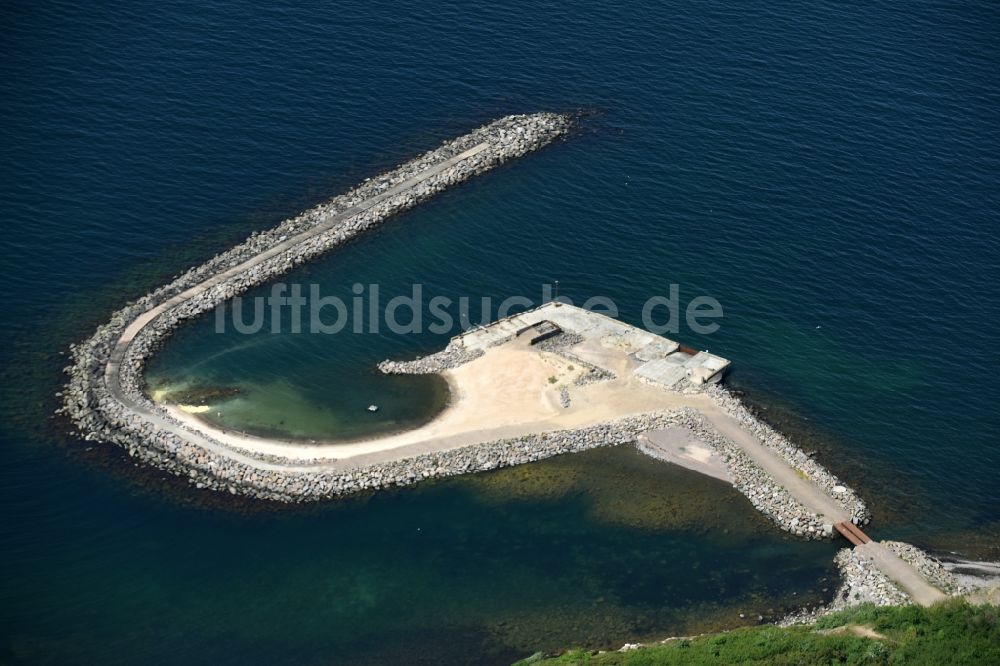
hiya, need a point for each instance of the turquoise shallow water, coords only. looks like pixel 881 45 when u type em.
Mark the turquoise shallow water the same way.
pixel 828 173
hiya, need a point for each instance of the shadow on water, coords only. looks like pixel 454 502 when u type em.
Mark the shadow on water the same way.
pixel 494 565
pixel 591 549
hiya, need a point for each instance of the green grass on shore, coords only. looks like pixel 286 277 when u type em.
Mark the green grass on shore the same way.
pixel 950 633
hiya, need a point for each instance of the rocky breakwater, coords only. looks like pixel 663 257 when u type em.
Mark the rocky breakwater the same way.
pixel 456 354
pixel 497 454
pixel 450 357
pixel 861 583
pixel 929 567
pixel 791 454
pixel 561 343
pixel 104 396
pixel 766 495
pixel 206 469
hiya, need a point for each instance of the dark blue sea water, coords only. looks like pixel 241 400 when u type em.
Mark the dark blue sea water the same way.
pixel 830 172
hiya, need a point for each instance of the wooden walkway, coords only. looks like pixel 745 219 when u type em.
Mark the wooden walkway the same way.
pixel 852 533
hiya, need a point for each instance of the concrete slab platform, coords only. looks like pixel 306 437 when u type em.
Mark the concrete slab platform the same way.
pixel 657 349
pixel 662 372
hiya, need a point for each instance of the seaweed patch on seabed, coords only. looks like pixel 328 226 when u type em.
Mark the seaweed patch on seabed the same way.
pixel 621 487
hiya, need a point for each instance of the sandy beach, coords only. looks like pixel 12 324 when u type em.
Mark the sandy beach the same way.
pixel 507 392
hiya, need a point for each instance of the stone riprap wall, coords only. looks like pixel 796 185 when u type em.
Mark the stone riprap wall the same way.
pixel 450 357
pixel 748 477
pixel 929 567
pixel 560 344
pixel 774 440
pixel 456 354
pixel 860 582
pixel 206 469
pixel 121 413
pixel 756 484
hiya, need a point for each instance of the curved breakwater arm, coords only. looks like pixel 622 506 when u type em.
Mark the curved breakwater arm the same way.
pixel 104 397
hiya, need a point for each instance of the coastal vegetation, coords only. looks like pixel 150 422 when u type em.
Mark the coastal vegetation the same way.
pixel 954 632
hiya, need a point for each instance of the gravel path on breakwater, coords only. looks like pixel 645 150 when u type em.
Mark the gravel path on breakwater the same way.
pixel 104 396
pixel 862 582
pixel 766 495
pixel 791 454
pixel 760 487
pixel 298 484
pixel 123 414
pixel 929 567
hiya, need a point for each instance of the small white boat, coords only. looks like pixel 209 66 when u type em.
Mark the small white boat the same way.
pixel 372 408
